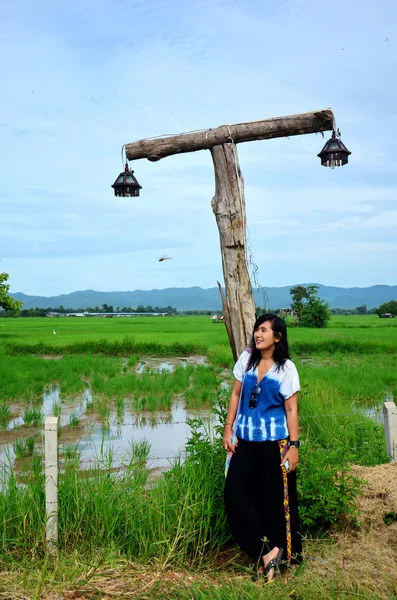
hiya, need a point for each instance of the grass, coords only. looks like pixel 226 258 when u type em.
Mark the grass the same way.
pixel 33 416
pixel 24 447
pixel 5 415
pixel 112 525
pixel 173 336
pixel 105 574
pixel 177 521
pixel 74 420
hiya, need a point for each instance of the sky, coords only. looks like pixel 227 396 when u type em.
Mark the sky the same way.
pixel 81 78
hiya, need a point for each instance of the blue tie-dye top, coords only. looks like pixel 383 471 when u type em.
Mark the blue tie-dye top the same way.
pixel 268 420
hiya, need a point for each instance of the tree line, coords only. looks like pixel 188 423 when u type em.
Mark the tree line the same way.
pixel 307 309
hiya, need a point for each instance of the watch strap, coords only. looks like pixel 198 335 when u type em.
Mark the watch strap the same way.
pixel 295 443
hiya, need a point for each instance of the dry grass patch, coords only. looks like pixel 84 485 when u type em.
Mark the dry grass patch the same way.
pixel 368 556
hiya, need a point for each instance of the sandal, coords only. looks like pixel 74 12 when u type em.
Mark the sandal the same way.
pixel 274 563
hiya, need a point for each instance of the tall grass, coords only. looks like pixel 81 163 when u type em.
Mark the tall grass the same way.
pixel 178 519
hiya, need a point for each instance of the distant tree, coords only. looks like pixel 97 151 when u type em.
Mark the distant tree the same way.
pixel 387 307
pixel 34 312
pixel 299 294
pixel 6 302
pixel 362 310
pixel 310 309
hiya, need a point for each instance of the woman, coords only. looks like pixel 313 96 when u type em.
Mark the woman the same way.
pixel 261 435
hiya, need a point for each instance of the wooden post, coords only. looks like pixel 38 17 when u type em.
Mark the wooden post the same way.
pixel 390 418
pixel 51 483
pixel 228 205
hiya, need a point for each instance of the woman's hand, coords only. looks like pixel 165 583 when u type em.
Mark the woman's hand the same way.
pixel 227 440
pixel 293 458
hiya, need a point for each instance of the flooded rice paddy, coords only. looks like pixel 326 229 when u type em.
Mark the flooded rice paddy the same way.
pixel 95 433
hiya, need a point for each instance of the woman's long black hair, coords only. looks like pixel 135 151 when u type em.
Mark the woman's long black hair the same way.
pixel 281 352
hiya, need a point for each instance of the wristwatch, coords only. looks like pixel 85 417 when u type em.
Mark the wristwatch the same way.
pixel 295 443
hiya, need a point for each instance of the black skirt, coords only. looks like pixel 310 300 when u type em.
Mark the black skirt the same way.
pixel 261 500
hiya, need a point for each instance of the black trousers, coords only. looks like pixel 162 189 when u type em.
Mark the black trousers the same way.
pixel 254 501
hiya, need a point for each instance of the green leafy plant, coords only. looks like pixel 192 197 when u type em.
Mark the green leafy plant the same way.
pixel 309 308
pixel 6 301
pixel 327 489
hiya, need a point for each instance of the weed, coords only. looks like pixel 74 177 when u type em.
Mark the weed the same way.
pixel 24 447
pixel 56 409
pixel 5 415
pixel 33 416
pixel 74 420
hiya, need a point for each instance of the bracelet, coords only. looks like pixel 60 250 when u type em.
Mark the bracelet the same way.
pixel 228 423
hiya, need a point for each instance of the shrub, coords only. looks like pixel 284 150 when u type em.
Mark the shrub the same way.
pixel 327 490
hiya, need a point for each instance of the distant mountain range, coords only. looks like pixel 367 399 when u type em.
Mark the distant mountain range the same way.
pixel 196 298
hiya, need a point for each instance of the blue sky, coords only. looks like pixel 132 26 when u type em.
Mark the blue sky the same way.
pixel 82 78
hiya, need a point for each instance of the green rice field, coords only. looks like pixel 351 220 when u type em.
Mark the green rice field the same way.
pixel 100 376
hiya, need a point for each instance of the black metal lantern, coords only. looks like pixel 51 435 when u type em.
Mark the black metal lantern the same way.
pixel 334 154
pixel 126 184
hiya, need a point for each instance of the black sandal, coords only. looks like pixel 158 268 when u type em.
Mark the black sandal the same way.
pixel 274 563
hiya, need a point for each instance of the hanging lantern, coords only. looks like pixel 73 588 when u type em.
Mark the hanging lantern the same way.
pixel 126 184
pixel 334 154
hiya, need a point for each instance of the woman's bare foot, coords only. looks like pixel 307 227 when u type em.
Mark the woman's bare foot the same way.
pixel 267 558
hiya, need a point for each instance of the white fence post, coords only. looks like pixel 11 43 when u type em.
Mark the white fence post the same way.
pixel 390 418
pixel 51 483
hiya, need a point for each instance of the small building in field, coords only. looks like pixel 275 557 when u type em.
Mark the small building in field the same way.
pixel 386 316
pixel 217 319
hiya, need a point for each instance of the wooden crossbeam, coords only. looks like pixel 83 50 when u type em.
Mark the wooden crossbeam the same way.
pixel 155 149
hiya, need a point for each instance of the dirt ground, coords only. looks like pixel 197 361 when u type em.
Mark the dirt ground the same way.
pixel 368 555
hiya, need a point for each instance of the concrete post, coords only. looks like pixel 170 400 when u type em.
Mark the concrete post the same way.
pixel 51 483
pixel 390 418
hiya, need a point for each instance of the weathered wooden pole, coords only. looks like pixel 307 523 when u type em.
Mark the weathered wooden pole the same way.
pixel 228 203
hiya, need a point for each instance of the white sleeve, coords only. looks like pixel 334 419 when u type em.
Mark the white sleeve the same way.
pixel 241 365
pixel 290 383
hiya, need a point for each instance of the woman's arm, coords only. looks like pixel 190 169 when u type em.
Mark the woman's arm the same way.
pixel 291 411
pixel 231 415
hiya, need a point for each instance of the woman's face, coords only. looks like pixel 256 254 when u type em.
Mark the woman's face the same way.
pixel 264 337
